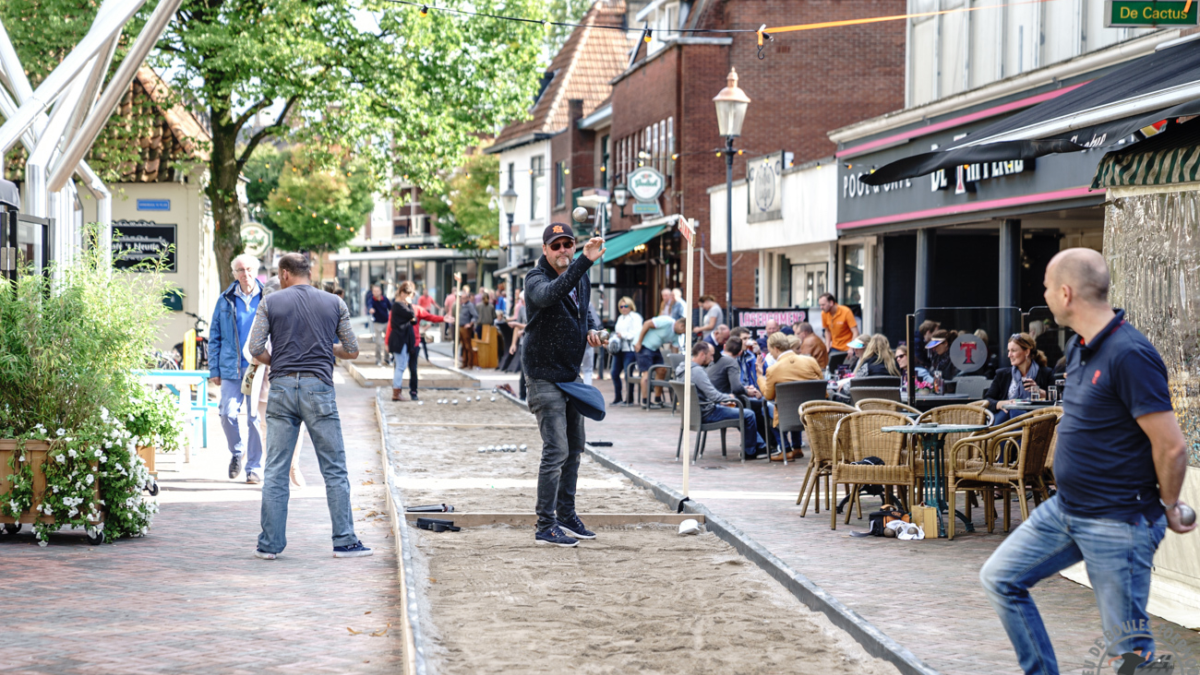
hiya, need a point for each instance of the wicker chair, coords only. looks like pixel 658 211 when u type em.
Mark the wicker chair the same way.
pixel 860 435
pixel 1029 439
pixel 868 404
pixel 983 403
pixel 833 404
pixel 821 422
pixel 947 414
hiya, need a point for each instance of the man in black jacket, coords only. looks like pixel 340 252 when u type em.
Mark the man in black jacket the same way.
pixel 557 293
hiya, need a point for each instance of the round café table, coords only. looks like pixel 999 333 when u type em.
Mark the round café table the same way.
pixel 933 452
pixel 1027 406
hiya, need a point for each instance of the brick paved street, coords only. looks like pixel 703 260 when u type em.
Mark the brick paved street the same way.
pixel 926 595
pixel 191 598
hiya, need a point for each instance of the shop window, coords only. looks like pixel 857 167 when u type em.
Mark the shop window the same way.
pixel 808 283
pixel 854 263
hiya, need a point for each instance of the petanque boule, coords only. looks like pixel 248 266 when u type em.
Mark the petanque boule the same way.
pixel 493 399
pixel 524 447
pixel 1187 515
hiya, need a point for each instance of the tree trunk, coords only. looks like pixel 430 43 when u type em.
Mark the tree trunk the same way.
pixel 222 190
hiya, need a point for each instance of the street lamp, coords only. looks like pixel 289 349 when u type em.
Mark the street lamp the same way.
pixel 731 112
pixel 620 196
pixel 508 202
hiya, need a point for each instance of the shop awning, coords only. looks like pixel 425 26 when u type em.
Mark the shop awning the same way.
pixel 1103 113
pixel 1168 158
pixel 624 243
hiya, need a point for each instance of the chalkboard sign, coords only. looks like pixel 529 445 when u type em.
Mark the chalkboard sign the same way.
pixel 136 241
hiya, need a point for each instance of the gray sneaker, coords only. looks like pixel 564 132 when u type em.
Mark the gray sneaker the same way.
pixel 263 555
pixel 253 478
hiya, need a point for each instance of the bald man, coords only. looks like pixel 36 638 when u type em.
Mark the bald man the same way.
pixel 1119 467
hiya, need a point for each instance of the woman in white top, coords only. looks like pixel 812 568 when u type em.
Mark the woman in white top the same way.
pixel 629 326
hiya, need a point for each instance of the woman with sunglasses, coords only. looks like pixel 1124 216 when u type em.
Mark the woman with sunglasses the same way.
pixel 629 326
pixel 1029 372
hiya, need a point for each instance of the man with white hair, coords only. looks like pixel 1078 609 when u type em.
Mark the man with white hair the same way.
pixel 228 332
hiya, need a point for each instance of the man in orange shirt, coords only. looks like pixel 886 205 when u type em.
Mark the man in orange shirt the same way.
pixel 839 323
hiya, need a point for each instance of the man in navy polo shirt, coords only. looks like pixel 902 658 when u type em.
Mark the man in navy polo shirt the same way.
pixel 1119 466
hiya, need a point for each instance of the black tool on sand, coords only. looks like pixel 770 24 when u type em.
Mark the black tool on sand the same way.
pixel 435 525
pixel 601 444
pixel 430 508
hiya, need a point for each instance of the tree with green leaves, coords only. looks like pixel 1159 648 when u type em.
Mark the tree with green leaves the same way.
pixel 262 173
pixel 320 208
pixel 464 206
pixel 406 93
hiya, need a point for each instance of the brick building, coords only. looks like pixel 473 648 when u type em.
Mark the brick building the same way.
pixel 808 83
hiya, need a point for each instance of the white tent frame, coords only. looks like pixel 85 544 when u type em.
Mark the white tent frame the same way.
pixel 60 120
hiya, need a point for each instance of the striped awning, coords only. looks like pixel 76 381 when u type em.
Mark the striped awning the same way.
pixel 1172 156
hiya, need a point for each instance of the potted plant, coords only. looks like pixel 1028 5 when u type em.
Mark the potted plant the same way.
pixel 70 343
pixel 155 421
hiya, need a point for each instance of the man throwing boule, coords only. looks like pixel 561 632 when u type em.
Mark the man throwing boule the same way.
pixel 557 293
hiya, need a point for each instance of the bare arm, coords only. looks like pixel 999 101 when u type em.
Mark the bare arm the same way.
pixel 259 330
pixel 1170 460
pixel 708 325
pixel 348 349
pixel 642 335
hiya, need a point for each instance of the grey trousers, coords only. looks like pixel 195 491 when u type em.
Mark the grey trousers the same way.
pixel 561 427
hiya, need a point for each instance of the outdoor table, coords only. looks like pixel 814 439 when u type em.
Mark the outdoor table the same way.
pixel 933 452
pixel 1026 406
pixel 925 402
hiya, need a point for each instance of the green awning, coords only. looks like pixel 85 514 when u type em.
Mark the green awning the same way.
pixel 1172 156
pixel 626 242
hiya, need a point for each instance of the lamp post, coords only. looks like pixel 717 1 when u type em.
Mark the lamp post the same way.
pixel 620 196
pixel 731 112
pixel 508 202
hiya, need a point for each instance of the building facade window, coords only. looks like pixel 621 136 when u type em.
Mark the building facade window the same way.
pixel 537 185
pixel 560 183
pixel 854 267
pixel 604 168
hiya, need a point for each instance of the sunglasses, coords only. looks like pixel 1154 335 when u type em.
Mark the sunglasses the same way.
pixel 568 245
pixel 622 306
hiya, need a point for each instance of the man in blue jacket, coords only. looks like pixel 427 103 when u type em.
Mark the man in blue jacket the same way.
pixel 557 294
pixel 228 332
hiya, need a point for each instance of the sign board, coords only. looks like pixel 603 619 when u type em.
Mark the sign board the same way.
pixel 687 228
pixel 646 184
pixel 645 209
pixel 758 318
pixel 1149 13
pixel 135 241
pixel 764 175
pixel 154 205
pixel 256 239
pixel 968 353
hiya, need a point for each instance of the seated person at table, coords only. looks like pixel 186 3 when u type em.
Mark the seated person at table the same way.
pixel 924 333
pixel 920 374
pixel 656 332
pixel 789 367
pixel 939 353
pixel 1029 372
pixel 877 359
pixel 811 345
pixel 726 375
pixel 715 406
pixel 854 352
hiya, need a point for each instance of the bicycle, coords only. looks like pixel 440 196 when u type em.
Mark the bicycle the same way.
pixel 201 343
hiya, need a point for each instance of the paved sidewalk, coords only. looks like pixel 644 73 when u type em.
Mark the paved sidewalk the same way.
pixel 926 595
pixel 191 598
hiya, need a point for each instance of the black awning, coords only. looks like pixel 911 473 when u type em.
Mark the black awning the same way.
pixel 1102 113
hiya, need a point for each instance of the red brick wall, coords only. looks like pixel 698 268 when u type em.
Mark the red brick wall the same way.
pixel 809 83
pixel 577 148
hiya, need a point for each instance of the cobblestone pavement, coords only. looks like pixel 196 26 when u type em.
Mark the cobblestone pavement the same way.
pixel 926 594
pixel 191 598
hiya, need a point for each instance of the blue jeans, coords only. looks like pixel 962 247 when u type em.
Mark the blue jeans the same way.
pixel 619 361
pixel 400 362
pixel 561 427
pixel 309 400
pixel 1118 557
pixel 231 400
pixel 751 444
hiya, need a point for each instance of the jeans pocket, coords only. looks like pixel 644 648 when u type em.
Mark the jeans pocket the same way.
pixel 324 402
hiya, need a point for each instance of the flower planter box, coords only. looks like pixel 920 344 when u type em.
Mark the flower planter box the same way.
pixel 146 452
pixel 35 455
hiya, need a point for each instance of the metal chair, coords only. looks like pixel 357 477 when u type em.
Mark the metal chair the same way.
pixel 703 428
pixel 1030 444
pixel 789 396
pixel 859 435
pixel 885 404
pixel 633 378
pixel 875 381
pixel 885 393
pixel 661 375
pixel 821 422
pixel 974 386
pixel 673 360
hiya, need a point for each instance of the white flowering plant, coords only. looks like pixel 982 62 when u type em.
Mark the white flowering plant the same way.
pixel 153 416
pixel 71 343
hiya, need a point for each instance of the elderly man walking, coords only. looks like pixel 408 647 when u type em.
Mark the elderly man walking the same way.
pixel 228 332
pixel 307 329
pixel 1119 466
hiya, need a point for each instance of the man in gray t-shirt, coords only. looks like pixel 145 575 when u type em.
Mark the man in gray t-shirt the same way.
pixel 713 316
pixel 307 328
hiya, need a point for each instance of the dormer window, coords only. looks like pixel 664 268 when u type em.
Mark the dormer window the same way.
pixel 662 18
